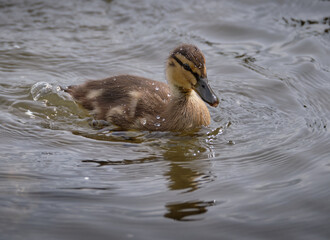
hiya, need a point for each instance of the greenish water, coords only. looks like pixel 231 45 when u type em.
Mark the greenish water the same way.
pixel 259 171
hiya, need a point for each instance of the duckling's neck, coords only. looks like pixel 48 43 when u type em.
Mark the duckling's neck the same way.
pixel 179 92
pixel 187 109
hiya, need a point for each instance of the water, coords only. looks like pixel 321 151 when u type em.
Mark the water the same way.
pixel 259 171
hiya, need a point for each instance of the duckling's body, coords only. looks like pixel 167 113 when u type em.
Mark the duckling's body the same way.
pixel 132 102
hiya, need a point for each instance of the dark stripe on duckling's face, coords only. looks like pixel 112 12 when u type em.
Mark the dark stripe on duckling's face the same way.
pixel 201 87
pixel 186 67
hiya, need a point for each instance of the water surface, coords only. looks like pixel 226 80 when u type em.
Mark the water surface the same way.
pixel 259 171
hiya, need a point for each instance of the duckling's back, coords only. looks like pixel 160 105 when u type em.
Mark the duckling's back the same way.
pixel 129 102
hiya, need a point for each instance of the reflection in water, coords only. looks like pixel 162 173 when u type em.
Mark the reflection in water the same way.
pixel 188 168
pixel 181 211
pixel 121 162
pixel 183 174
pixel 182 178
pixel 183 171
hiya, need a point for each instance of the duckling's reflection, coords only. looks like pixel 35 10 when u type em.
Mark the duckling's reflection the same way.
pixel 182 177
pixel 189 168
pixel 182 211
pixel 186 174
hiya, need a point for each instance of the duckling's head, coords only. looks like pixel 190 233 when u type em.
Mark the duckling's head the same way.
pixel 186 71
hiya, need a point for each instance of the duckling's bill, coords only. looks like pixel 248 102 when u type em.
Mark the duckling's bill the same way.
pixel 205 92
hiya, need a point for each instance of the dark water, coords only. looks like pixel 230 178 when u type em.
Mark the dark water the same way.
pixel 261 170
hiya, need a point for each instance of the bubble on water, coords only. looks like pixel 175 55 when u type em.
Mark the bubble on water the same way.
pixel 86 178
pixel 157 117
pixel 157 124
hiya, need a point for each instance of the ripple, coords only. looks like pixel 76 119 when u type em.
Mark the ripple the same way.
pixel 278 185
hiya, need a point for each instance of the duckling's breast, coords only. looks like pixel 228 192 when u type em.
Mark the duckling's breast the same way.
pixel 187 112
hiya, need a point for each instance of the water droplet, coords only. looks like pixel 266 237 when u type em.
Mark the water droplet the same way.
pixel 29 113
pixel 144 121
pixel 157 117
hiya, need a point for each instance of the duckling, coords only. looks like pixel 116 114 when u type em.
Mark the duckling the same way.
pixel 137 103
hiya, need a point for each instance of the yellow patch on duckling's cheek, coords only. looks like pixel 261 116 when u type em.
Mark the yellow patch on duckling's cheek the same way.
pixel 193 80
pixel 92 94
pixel 183 79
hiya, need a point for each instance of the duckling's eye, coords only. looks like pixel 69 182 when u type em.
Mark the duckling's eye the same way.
pixel 186 66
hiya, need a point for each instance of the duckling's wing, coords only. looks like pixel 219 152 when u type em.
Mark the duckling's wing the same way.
pixel 127 101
